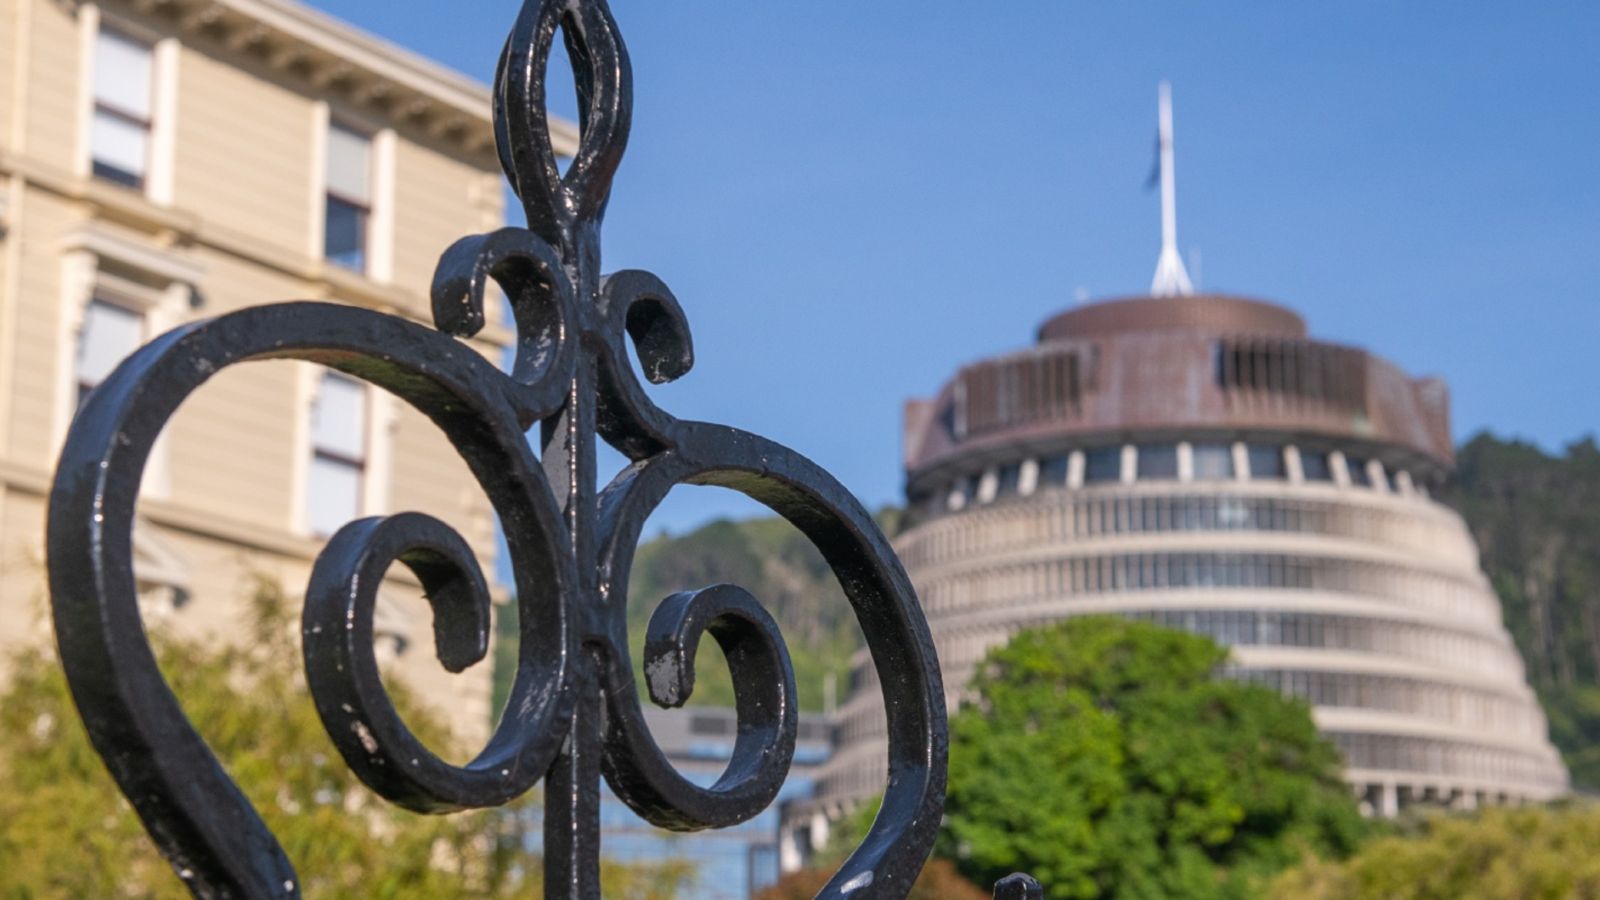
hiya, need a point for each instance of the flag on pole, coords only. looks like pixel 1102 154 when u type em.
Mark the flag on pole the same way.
pixel 1154 180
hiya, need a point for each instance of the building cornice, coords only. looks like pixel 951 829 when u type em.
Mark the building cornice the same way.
pixel 335 58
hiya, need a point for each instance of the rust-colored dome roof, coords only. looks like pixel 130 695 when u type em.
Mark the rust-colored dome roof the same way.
pixel 1215 313
pixel 1204 364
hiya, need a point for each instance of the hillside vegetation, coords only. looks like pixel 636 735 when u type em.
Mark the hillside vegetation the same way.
pixel 1536 519
pixel 775 563
pixel 767 557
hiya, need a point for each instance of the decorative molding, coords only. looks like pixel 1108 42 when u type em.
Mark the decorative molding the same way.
pixel 332 56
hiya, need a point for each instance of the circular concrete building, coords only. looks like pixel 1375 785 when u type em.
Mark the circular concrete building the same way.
pixel 1200 462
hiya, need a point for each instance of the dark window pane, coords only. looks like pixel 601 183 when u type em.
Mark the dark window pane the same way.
pixel 1314 465
pixel 1009 477
pixel 1266 462
pixel 1102 464
pixel 346 236
pixel 1158 462
pixel 1358 471
pixel 1213 462
pixel 1053 471
pixel 108 172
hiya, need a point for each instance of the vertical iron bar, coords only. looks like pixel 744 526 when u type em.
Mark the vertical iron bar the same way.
pixel 572 800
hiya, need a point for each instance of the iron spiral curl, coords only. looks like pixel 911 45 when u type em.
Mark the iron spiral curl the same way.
pixel 574 715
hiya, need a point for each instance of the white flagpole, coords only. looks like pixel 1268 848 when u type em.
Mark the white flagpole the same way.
pixel 1172 279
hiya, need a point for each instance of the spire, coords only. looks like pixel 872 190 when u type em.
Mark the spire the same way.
pixel 1172 279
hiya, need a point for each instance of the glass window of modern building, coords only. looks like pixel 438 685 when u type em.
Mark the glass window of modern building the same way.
pixel 1315 466
pixel 1053 471
pixel 1102 465
pixel 1359 472
pixel 1213 462
pixel 1266 462
pixel 1010 476
pixel 1158 462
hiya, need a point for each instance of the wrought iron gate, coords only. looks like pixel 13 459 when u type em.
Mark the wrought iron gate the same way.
pixel 574 714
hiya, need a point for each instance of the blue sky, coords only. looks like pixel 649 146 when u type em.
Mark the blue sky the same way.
pixel 853 199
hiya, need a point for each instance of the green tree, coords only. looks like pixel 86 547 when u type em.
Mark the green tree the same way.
pixel 1532 854
pixel 66 832
pixel 1106 758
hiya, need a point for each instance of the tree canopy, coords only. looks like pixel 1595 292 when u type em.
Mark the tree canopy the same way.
pixel 66 832
pixel 1108 759
pixel 1527 853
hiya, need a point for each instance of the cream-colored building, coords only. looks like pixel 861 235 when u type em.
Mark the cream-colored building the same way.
pixel 168 160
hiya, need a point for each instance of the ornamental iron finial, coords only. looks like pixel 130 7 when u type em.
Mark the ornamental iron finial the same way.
pixel 574 715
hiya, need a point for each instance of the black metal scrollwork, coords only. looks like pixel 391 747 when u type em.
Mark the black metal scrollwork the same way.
pixel 574 713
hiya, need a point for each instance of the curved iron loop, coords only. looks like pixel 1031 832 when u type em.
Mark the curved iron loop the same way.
pixel 764 693
pixel 557 206
pixel 342 668
pixel 1018 887
pixel 639 305
pixel 891 855
pixel 208 830
pixel 529 270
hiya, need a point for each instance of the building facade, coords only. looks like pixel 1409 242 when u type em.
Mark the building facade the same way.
pixel 1202 463
pixel 168 160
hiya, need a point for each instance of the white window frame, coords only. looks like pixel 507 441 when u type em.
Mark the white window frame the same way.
pixel 161 298
pixel 164 56
pixel 381 210
pixel 382 419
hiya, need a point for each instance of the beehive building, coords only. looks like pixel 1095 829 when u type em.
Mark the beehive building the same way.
pixel 1202 462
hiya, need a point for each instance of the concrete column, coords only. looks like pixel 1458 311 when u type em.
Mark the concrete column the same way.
pixel 1389 800
pixel 1292 466
pixel 988 485
pixel 1185 462
pixel 956 500
pixel 1075 470
pixel 1130 463
pixel 1028 478
pixel 1340 467
pixel 1241 461
pixel 1376 475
